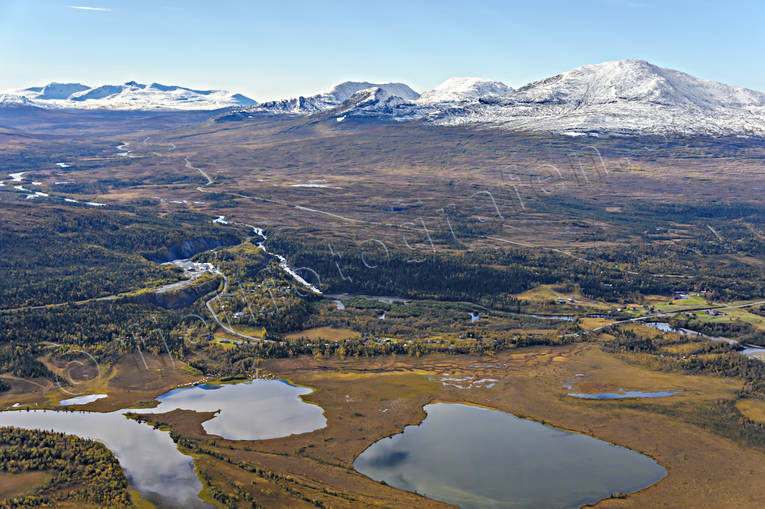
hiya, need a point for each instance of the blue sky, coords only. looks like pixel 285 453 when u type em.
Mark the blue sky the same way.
pixel 284 48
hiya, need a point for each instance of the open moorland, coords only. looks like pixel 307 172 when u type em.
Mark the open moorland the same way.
pixel 386 267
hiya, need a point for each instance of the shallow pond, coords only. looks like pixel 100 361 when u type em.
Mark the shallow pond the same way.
pixel 754 353
pixel 477 457
pixel 254 410
pixel 624 395
pixel 82 400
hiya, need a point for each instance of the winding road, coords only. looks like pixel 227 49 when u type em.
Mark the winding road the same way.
pixel 670 313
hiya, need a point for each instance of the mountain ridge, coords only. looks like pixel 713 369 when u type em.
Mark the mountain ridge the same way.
pixel 618 97
pixel 128 96
pixel 330 98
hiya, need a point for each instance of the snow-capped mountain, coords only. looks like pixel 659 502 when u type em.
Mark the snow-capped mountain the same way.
pixel 463 89
pixel 331 98
pixel 57 90
pixel 621 97
pixel 129 96
pixel 624 96
pixel 377 102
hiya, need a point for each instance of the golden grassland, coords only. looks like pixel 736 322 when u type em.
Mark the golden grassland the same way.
pixel 327 333
pixel 135 378
pixel 546 293
pixel 691 302
pixel 367 399
pixel 754 409
pixel 740 314
pixel 22 483
pixel 138 501
pixel 371 168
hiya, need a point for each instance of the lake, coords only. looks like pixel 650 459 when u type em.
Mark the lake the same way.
pixel 149 457
pixel 254 410
pixel 476 457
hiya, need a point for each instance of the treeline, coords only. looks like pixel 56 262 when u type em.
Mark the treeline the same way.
pixel 742 331
pixel 82 470
pixel 243 358
pixel 106 329
pixel 728 362
pixel 20 360
pixel 486 276
pixel 91 323
pixel 490 276
pixel 76 254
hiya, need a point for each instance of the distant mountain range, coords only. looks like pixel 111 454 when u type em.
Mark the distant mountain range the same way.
pixel 625 96
pixel 334 97
pixel 129 96
pixel 620 97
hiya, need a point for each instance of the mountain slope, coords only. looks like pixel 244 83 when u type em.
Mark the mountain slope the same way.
pixel 376 102
pixel 331 98
pixel 129 96
pixel 621 97
pixel 59 90
pixel 463 89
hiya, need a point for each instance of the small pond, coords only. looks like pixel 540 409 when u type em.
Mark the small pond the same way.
pixel 81 400
pixel 624 395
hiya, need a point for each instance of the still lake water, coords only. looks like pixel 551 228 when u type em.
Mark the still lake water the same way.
pixel 476 457
pixel 254 410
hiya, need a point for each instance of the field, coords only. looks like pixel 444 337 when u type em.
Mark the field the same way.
pixel 366 399
pixel 457 256
pixel 17 485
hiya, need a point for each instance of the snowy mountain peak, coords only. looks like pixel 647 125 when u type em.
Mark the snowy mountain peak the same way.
pixel 374 96
pixel 130 96
pixel 464 89
pixel 635 81
pixel 378 102
pixel 345 90
pixel 61 90
pixel 624 96
pixel 333 97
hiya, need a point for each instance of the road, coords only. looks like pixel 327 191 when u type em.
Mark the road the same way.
pixel 205 175
pixel 673 313
pixel 225 327
pixel 61 304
